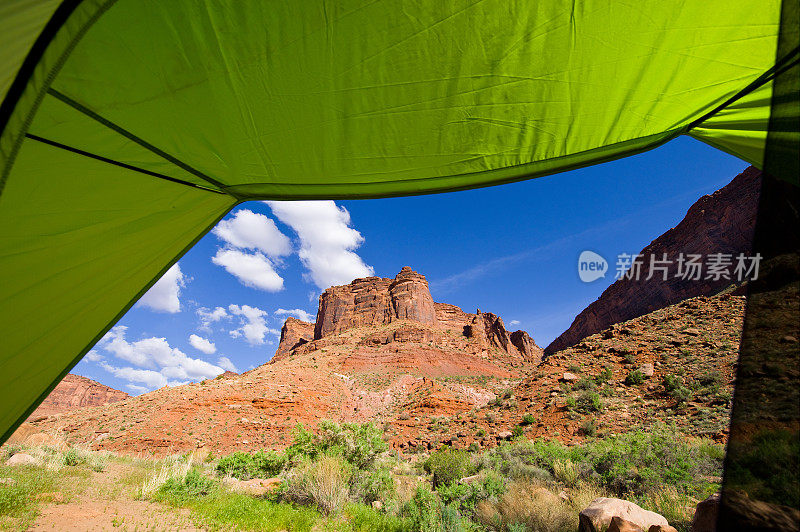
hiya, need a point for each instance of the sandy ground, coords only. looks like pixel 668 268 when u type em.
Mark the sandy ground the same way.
pixel 109 504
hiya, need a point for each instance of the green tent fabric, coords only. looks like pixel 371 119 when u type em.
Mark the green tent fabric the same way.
pixel 129 128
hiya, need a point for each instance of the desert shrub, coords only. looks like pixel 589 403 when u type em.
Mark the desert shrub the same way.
pixel 604 376
pixel 585 383
pixel 359 444
pixel 480 433
pixel 588 402
pixel 448 466
pixel 630 357
pixel 528 506
pixel 588 427
pixel 571 403
pixel 324 482
pixel 424 511
pixel 238 465
pixel 528 419
pixel 474 447
pixel 566 472
pixel 373 485
pixel 464 497
pixel 192 485
pixel 363 517
pixel 634 378
pixel 74 457
pixel 268 463
pixel 517 431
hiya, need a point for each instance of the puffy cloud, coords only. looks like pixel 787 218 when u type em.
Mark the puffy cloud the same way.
pixel 226 364
pixel 297 313
pixel 136 389
pixel 252 324
pixel 93 356
pixel 202 344
pixel 252 269
pixel 164 295
pixel 207 317
pixel 326 240
pixel 250 230
pixel 162 364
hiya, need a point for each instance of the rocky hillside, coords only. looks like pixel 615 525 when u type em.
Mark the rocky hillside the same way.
pixel 380 348
pixel 674 365
pixel 722 222
pixel 76 392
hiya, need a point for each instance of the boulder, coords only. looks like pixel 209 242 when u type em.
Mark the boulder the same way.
pixel 705 514
pixel 647 369
pixel 504 435
pixel 619 524
pixel 598 515
pixel 662 528
pixel 22 459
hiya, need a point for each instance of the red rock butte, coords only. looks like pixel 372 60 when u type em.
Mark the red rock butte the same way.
pixel 406 304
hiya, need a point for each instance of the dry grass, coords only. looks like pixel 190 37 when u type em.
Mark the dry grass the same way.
pixel 176 467
pixel 529 504
pixel 324 482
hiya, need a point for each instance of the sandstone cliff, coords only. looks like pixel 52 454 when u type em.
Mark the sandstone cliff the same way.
pixel 74 392
pixel 722 222
pixel 401 310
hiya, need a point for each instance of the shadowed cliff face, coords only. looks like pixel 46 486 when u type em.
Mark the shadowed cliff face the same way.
pixel 718 223
pixel 379 302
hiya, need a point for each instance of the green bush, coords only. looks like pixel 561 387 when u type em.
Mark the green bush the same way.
pixel 588 402
pixel 517 431
pixel 585 383
pixel 766 467
pixel 359 444
pixel 424 511
pixel 74 457
pixel 448 466
pixel 238 465
pixel 604 376
pixel 268 463
pixel 634 378
pixel 192 485
pixel 528 419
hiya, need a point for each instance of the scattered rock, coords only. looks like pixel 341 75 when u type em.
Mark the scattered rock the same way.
pixel 22 459
pixel 619 524
pixel 569 377
pixel 691 331
pixel 504 435
pixel 598 515
pixel 377 505
pixel 662 528
pixel 647 369
pixel 705 514
pixel 789 339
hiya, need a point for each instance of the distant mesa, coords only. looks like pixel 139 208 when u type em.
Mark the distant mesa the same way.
pixel 75 392
pixel 406 303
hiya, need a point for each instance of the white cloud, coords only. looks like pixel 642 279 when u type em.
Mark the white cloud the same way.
pixel 207 317
pixel 202 344
pixel 164 295
pixel 252 269
pixel 250 230
pixel 163 364
pixel 135 388
pixel 226 364
pixel 514 322
pixel 297 313
pixel 253 323
pixel 326 240
pixel 93 356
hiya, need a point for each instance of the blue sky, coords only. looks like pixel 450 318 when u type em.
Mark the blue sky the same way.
pixel 511 250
